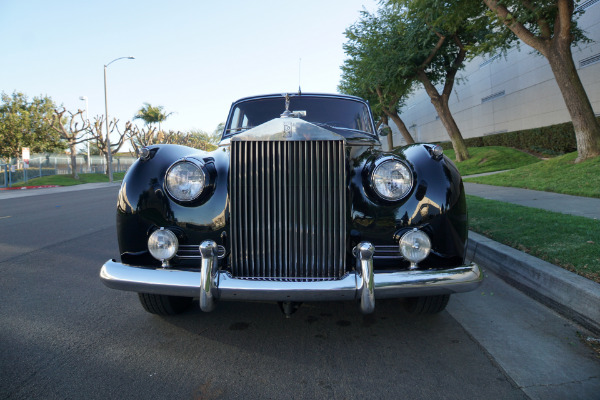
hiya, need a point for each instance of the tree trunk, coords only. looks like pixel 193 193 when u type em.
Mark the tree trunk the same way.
pixel 390 137
pixel 458 143
pixel 73 160
pixel 585 124
pixel 440 102
pixel 556 47
pixel 401 127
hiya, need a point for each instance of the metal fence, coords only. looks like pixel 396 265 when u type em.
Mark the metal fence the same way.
pixel 52 164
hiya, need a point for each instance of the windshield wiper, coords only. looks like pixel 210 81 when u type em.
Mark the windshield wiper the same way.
pixel 240 129
pixel 343 128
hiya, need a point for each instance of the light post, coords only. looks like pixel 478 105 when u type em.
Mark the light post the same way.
pixel 84 98
pixel 110 172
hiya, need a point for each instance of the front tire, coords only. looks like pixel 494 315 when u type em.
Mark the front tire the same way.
pixel 160 304
pixel 427 304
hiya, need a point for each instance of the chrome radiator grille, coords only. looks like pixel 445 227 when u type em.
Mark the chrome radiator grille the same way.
pixel 288 209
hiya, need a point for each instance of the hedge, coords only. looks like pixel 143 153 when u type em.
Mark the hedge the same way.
pixel 551 140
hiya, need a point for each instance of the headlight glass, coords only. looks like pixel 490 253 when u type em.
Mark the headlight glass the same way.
pixel 163 244
pixel 392 180
pixel 185 181
pixel 415 245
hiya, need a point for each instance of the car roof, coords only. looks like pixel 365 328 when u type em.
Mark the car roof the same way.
pixel 299 94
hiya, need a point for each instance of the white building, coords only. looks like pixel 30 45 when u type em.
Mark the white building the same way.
pixel 500 94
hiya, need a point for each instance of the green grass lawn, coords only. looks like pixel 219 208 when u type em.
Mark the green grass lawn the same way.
pixel 491 158
pixel 66 180
pixel 559 175
pixel 568 241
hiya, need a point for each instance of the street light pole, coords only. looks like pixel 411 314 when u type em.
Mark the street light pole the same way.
pixel 84 98
pixel 110 171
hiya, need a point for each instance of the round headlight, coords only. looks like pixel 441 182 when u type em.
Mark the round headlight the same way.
pixel 185 181
pixel 415 246
pixel 163 244
pixel 392 180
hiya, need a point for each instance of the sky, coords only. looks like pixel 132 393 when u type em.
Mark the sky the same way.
pixel 194 58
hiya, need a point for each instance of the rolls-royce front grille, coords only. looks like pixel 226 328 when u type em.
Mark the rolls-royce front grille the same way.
pixel 288 212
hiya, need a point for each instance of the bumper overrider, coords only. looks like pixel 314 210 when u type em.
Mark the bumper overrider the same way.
pixel 364 285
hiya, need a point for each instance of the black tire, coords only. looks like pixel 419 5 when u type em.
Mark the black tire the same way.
pixel 164 305
pixel 427 304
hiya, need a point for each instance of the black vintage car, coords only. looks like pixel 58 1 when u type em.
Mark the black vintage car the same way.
pixel 298 203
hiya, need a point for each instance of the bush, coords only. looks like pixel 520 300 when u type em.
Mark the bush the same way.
pixel 550 140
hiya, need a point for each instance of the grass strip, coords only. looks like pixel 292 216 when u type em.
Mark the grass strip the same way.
pixel 568 241
pixel 67 180
pixel 558 175
pixel 491 158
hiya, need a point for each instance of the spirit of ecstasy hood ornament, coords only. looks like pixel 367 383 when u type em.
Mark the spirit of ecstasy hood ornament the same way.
pixel 287 113
pixel 291 114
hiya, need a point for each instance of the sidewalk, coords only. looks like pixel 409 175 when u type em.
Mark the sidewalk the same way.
pixel 575 297
pixel 582 206
pixel 18 193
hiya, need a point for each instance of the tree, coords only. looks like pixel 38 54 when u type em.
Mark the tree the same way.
pixel 371 70
pixel 71 131
pixel 439 37
pixel 550 27
pixel 148 136
pixel 139 138
pixel 24 123
pixel 96 130
pixel 208 138
pixel 219 131
pixel 152 114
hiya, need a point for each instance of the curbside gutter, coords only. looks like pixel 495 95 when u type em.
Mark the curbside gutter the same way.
pixel 29 187
pixel 574 296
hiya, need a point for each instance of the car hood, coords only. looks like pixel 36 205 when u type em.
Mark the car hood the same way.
pixel 296 129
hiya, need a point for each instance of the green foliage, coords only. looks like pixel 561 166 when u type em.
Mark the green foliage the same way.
pixel 375 52
pixel 152 114
pixel 492 158
pixel 199 140
pixel 538 18
pixel 547 140
pixel 26 123
pixel 568 241
pixel 438 30
pixel 558 175
pixel 67 180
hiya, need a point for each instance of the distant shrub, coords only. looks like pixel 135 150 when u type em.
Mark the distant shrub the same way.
pixel 551 140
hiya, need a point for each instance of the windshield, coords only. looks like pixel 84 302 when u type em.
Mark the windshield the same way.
pixel 329 112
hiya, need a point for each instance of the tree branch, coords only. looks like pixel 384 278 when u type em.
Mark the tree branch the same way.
pixel 437 47
pixel 451 74
pixel 563 19
pixel 516 27
pixel 542 23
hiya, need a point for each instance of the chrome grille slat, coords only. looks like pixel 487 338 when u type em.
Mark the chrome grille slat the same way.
pixel 288 209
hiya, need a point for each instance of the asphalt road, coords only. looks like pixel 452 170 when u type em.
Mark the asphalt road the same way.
pixel 64 335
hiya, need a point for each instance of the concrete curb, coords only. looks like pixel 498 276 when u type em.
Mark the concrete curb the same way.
pixel 575 297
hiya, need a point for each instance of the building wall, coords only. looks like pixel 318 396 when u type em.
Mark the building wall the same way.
pixel 498 94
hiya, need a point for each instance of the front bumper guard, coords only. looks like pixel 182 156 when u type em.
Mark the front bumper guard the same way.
pixel 364 284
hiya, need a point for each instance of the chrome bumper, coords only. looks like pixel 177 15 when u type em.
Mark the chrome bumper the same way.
pixel 366 285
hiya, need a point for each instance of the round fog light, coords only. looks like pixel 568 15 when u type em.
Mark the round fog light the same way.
pixel 415 246
pixel 163 245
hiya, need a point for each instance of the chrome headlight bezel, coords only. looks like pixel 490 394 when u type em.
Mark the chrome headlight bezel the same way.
pixel 199 185
pixel 377 179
